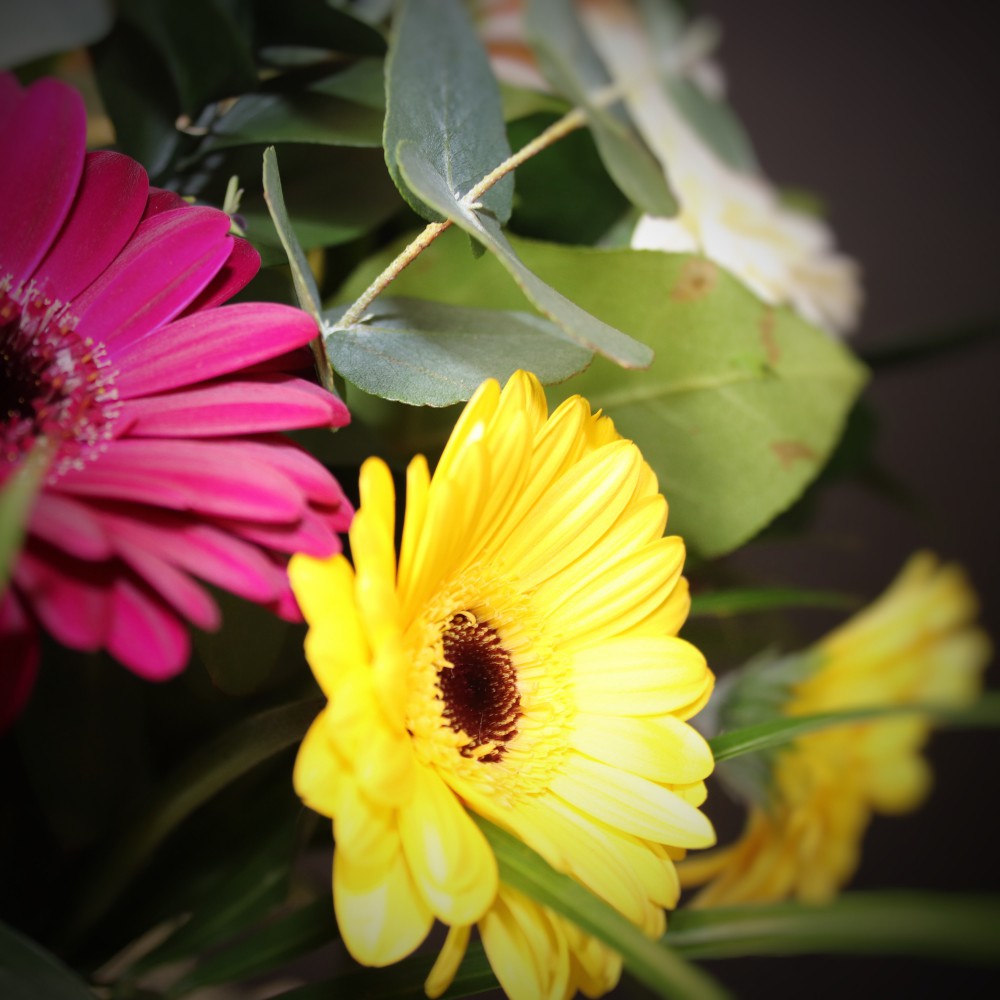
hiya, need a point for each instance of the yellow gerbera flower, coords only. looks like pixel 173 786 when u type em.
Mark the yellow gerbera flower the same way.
pixel 915 644
pixel 522 662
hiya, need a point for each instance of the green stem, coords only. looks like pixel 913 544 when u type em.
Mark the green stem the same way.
pixel 571 121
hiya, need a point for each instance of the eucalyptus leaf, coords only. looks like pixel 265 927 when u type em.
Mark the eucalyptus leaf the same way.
pixel 29 972
pixel 739 411
pixel 652 963
pixel 442 97
pixel 427 354
pixel 199 778
pixel 580 325
pixel 984 713
pixel 960 927
pixel 571 65
pixel 345 108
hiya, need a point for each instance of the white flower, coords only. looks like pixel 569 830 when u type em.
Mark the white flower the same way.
pixel 734 218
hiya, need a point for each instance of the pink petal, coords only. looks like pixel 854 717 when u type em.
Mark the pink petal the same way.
pixel 208 344
pixel 43 143
pixel 223 478
pixel 231 406
pixel 70 526
pixel 315 480
pixel 20 649
pixel 163 201
pixel 286 607
pixel 107 209
pixel 168 261
pixel 314 534
pixel 175 587
pixel 145 635
pixel 235 275
pixel 69 597
pixel 206 551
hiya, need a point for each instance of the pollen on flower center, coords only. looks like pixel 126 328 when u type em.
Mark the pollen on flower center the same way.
pixel 478 685
pixel 54 384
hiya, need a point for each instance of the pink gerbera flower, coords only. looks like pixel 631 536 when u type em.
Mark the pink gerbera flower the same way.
pixel 161 406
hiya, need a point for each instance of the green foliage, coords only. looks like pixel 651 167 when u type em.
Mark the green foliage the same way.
pixel 29 972
pixel 581 326
pixel 742 405
pixel 442 98
pixel 427 354
pixel 574 69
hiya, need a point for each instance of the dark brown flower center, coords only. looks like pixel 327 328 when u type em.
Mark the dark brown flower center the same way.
pixel 54 384
pixel 479 688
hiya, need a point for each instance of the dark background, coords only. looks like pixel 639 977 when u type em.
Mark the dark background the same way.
pixel 889 112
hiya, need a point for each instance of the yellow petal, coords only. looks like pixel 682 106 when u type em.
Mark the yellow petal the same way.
pixel 318 775
pixel 381 915
pixel 450 859
pixel 446 964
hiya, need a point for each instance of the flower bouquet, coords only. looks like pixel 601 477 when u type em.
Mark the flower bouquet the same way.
pixel 404 404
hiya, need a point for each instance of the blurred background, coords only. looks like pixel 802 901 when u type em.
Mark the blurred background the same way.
pixel 888 112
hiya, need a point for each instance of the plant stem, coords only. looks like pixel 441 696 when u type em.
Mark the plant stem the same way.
pixel 571 121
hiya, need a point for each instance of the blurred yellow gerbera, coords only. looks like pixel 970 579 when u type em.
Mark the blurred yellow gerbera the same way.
pixel 522 662
pixel 915 644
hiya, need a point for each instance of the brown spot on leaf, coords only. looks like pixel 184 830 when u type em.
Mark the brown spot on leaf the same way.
pixel 696 280
pixel 771 349
pixel 790 452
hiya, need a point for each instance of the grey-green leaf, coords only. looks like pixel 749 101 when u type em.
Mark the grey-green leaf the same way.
pixel 571 65
pixel 584 328
pixel 428 354
pixel 441 95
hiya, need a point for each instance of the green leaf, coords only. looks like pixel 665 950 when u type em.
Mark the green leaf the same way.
pixel 204 49
pixel 297 933
pixel 960 927
pixel 571 65
pixel 343 109
pixel 427 354
pixel 552 186
pixel 653 964
pixel 742 405
pixel 985 713
pixel 192 784
pixel 723 603
pixel 442 97
pixel 29 972
pixel 17 497
pixel 316 25
pixel 581 326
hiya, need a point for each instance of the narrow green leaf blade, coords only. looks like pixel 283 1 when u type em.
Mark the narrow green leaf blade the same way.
pixel 427 354
pixel 297 933
pixel 741 600
pixel 29 972
pixel 960 927
pixel 984 713
pixel 581 326
pixel 441 96
pixel 570 64
pixel 17 495
pixel 653 964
